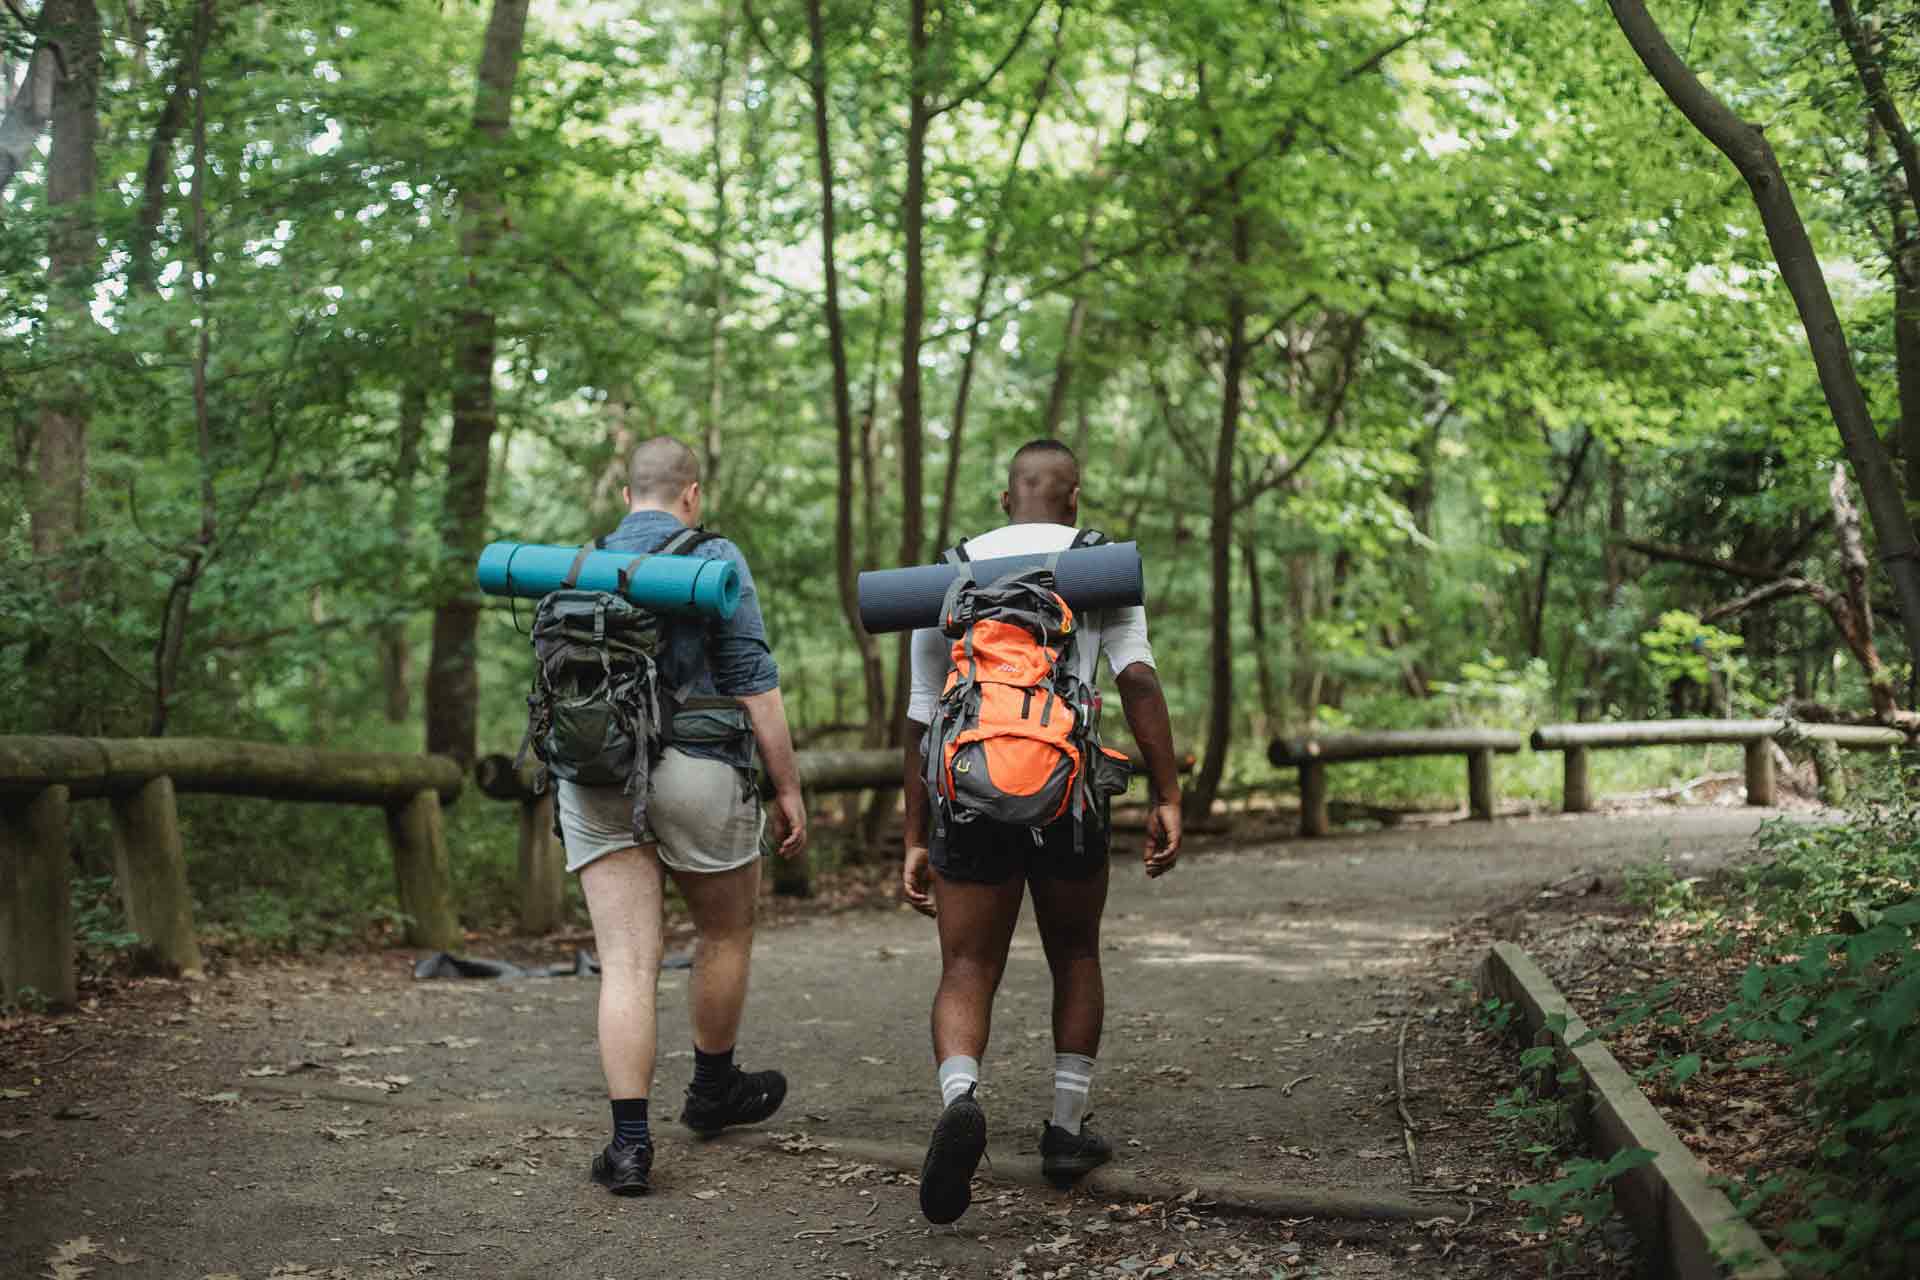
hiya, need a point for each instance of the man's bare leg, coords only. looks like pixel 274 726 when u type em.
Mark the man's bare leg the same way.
pixel 623 897
pixel 976 927
pixel 722 906
pixel 1068 913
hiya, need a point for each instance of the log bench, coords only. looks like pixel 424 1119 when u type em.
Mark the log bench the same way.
pixel 139 778
pixel 1313 753
pixel 1578 741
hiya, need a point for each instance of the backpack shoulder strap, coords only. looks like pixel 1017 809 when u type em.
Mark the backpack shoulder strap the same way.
pixel 684 542
pixel 1087 538
pixel 957 554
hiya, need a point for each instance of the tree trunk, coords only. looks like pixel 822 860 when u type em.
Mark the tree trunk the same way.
pixel 1220 528
pixel 153 190
pixel 1747 147
pixel 872 673
pixel 1064 365
pixel 73 262
pixel 31 108
pixel 453 683
pixel 912 322
pixel 396 655
pixel 1257 619
pixel 716 334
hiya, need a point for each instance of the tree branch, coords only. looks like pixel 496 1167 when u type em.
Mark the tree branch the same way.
pixel 1698 559
pixel 1772 591
pixel 980 86
pixel 1873 80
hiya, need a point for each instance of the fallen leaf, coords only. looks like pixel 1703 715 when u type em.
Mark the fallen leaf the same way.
pixel 361 1082
pixel 220 1275
pixel 873 1061
pixel 225 1098
pixel 1369 1154
pixel 78 1247
pixel 8 1135
pixel 398 1082
pixel 22 1174
pixel 1251 1084
pixel 372 1051
pixel 258 1072
pixel 121 1257
pixel 12 1094
pixel 341 1134
pixel 706 1195
pixel 456 1042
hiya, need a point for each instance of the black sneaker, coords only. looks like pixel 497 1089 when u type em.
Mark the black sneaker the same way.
pixel 625 1170
pixel 748 1098
pixel 1066 1157
pixel 946 1179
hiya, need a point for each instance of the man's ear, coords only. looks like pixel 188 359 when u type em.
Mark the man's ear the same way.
pixel 626 496
pixel 691 497
pixel 1073 504
pixel 1006 503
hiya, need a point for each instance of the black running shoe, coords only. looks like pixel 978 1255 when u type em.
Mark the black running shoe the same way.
pixel 946 1179
pixel 1066 1157
pixel 625 1170
pixel 748 1098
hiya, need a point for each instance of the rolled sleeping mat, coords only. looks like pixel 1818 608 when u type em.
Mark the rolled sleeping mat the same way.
pixel 671 584
pixel 1107 576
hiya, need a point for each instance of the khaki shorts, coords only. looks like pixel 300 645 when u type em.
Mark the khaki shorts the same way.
pixel 698 811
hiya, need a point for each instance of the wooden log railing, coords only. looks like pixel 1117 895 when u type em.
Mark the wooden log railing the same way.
pixel 140 778
pixel 1312 754
pixel 1578 741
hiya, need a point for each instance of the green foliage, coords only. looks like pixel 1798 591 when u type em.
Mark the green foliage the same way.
pixel 1835 1002
pixel 1657 889
pixel 1684 648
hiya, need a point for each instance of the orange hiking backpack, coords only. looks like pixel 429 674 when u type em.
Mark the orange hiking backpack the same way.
pixel 1015 736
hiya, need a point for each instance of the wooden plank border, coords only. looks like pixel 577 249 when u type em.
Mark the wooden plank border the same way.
pixel 1691 1230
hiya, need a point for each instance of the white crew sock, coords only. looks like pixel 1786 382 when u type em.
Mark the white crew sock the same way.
pixel 957 1074
pixel 1072 1078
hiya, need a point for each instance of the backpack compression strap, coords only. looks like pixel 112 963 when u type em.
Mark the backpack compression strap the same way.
pixel 1087 538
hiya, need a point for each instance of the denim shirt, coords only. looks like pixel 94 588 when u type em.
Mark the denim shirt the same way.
pixel 706 657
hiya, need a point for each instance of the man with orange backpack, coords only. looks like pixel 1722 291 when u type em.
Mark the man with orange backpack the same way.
pixel 1006 789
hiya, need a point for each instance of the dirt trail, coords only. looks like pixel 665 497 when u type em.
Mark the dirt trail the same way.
pixel 339 1119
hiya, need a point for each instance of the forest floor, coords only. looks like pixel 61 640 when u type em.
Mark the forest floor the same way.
pixel 332 1117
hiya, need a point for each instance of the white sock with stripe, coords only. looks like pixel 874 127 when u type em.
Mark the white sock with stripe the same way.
pixel 957 1075
pixel 1072 1078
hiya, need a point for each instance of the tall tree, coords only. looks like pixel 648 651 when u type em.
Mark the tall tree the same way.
pixel 73 264
pixel 870 668
pixel 1747 147
pixel 453 683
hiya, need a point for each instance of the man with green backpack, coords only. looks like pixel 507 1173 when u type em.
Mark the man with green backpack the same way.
pixel 655 729
pixel 1006 790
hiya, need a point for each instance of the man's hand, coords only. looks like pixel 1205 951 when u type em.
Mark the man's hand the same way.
pixel 789 822
pixel 1163 837
pixel 916 881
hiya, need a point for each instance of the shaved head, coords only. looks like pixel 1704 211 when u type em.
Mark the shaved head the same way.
pixel 1043 484
pixel 660 470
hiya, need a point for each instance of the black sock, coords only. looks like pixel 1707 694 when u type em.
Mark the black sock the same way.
pixel 630 1121
pixel 711 1071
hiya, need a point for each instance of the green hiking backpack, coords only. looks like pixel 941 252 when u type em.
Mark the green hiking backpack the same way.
pixel 594 713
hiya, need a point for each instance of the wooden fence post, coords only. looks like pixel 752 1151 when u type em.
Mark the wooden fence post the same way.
pixel 542 866
pixel 1313 799
pixel 152 871
pixel 1760 772
pixel 419 842
pixel 36 909
pixel 1577 793
pixel 1827 769
pixel 1480 783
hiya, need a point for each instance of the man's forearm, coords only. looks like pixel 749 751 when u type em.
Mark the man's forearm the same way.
pixel 1146 706
pixel 767 713
pixel 913 785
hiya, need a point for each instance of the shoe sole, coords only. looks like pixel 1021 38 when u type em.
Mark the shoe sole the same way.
pixel 639 1188
pixel 779 1100
pixel 946 1179
pixel 1068 1170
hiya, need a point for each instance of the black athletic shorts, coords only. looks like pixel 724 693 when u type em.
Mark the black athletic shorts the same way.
pixel 987 852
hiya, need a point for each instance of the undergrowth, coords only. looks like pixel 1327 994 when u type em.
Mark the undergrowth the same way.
pixel 1831 915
